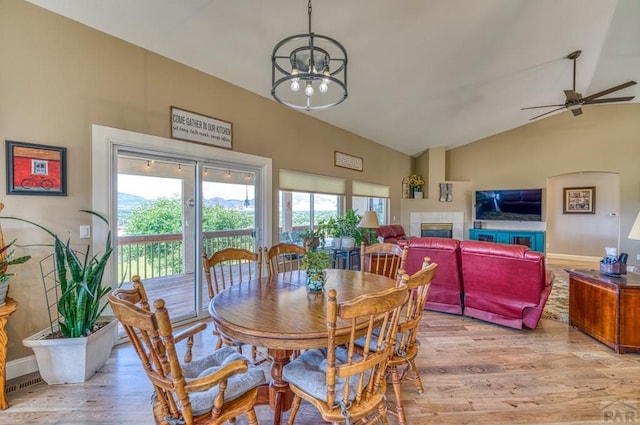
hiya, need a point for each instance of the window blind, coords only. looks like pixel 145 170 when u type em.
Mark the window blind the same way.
pixel 370 190
pixel 304 182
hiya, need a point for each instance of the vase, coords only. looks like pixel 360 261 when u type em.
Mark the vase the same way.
pixel 316 281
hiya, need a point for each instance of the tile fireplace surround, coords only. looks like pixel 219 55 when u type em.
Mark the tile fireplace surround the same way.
pixel 457 218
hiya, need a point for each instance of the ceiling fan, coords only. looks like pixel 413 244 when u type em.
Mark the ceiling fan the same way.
pixel 575 100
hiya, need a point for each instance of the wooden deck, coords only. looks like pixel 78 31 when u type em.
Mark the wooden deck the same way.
pixel 177 291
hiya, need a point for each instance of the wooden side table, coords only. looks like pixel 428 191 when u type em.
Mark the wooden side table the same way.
pixel 606 308
pixel 5 311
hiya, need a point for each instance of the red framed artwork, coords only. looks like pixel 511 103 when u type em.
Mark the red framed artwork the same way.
pixel 36 169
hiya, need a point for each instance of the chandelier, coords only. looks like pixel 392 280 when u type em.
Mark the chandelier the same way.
pixel 309 71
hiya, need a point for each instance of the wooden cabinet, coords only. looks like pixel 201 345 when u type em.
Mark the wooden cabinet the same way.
pixel 606 308
pixel 5 311
pixel 533 239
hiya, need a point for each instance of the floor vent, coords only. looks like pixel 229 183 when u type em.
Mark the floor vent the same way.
pixel 23 382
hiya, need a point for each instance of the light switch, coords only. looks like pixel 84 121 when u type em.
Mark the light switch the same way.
pixel 85 232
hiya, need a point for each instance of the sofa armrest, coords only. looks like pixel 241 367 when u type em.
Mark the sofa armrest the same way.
pixel 549 278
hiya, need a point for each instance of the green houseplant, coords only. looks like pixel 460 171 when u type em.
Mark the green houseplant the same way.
pixel 314 263
pixel 313 236
pixel 6 260
pixel 78 279
pixel 344 227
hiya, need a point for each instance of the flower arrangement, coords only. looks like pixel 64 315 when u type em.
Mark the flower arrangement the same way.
pixel 315 263
pixel 415 180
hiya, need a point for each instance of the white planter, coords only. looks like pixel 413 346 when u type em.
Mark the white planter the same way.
pixel 72 360
pixel 348 243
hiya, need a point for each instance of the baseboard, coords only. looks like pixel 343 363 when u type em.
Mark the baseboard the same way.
pixel 20 367
pixel 570 257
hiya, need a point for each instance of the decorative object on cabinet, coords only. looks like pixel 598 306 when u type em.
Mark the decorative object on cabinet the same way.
pixel 36 169
pixel 579 200
pixel 405 188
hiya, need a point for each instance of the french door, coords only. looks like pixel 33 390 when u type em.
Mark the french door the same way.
pixel 172 211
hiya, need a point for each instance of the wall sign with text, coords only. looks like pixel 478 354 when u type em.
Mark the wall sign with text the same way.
pixel 192 127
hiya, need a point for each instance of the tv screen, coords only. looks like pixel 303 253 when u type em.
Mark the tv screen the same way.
pixel 515 205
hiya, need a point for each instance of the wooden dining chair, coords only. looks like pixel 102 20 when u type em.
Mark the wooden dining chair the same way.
pixel 223 269
pixel 402 363
pixel 209 390
pixel 347 384
pixel 283 257
pixel 383 259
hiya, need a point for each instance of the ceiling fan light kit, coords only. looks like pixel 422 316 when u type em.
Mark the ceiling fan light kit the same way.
pixel 309 71
pixel 574 100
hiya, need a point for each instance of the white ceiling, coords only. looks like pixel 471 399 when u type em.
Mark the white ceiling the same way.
pixel 422 73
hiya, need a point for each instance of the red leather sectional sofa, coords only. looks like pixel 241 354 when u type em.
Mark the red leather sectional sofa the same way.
pixel 392 233
pixel 499 283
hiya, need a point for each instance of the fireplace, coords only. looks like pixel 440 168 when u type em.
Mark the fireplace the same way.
pixel 436 230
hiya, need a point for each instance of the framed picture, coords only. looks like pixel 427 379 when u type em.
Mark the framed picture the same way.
pixel 345 160
pixel 36 169
pixel 579 200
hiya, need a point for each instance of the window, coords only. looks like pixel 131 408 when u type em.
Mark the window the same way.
pixel 306 199
pixel 371 197
pixel 299 209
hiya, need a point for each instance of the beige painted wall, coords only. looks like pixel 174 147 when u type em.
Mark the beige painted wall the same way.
pixel 583 234
pixel 59 78
pixel 604 139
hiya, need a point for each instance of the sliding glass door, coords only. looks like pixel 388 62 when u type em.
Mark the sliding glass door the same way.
pixel 157 228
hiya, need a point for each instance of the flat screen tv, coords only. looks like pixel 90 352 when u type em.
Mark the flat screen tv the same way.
pixel 514 205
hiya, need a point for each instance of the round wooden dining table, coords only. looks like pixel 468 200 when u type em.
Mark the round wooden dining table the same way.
pixel 281 315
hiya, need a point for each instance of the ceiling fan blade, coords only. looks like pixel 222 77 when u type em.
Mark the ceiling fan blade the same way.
pixel 572 96
pixel 611 90
pixel 543 106
pixel 576 111
pixel 546 113
pixel 610 99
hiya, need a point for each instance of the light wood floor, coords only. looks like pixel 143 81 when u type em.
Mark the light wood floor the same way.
pixel 473 372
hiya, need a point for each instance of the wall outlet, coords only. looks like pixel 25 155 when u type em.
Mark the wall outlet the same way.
pixel 638 257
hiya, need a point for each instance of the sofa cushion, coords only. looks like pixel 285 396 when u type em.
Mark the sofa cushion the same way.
pixel 503 283
pixel 445 293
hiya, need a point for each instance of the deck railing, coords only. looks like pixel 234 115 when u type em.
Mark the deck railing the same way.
pixel 152 256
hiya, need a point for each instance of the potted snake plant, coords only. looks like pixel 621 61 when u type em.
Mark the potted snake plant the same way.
pixel 77 344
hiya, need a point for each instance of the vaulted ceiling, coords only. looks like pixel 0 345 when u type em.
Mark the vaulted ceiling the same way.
pixel 422 73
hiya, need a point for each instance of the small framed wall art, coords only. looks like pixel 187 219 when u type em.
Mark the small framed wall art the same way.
pixel 579 200
pixel 36 169
pixel 345 160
